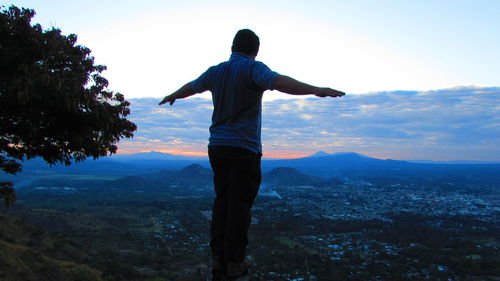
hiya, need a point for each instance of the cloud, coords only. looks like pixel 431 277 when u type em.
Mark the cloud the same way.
pixel 447 124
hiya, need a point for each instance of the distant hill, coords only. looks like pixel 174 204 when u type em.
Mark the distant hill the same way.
pixel 354 165
pixel 286 176
pixel 336 165
pixel 193 175
pixel 318 154
pixel 114 167
pixel 337 160
pixel 195 171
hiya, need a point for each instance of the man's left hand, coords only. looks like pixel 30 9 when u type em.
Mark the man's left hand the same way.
pixel 328 92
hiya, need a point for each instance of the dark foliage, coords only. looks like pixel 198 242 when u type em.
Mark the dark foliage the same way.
pixel 54 103
pixel 7 193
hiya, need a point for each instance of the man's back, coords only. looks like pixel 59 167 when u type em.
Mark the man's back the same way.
pixel 237 86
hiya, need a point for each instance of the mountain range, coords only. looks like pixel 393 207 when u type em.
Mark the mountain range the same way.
pixel 155 168
pixel 195 176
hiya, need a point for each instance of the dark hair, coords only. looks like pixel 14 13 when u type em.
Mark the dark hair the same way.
pixel 247 42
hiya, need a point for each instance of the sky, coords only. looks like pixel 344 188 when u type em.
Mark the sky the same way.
pixel 404 64
pixel 462 124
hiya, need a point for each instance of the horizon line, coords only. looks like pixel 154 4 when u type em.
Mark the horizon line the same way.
pixel 285 155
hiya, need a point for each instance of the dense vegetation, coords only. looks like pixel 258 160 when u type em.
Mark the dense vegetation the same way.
pixel 143 232
pixel 54 103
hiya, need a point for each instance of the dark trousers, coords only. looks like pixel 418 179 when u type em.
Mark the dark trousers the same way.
pixel 237 178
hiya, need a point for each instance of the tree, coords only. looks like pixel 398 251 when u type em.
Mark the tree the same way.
pixel 7 193
pixel 54 103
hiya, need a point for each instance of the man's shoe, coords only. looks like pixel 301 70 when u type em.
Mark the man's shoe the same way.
pixel 239 271
pixel 245 277
pixel 217 273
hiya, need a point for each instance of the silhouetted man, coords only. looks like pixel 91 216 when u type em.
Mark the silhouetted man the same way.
pixel 235 147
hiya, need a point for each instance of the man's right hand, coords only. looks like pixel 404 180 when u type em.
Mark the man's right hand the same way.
pixel 170 99
pixel 184 92
pixel 328 92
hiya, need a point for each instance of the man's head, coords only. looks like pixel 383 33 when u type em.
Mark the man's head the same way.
pixel 247 42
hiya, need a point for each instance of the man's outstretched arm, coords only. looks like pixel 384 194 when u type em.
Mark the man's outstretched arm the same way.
pixel 184 92
pixel 291 86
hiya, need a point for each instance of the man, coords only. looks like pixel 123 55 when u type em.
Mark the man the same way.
pixel 235 147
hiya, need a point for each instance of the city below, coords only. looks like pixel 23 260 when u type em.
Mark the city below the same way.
pixel 331 217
